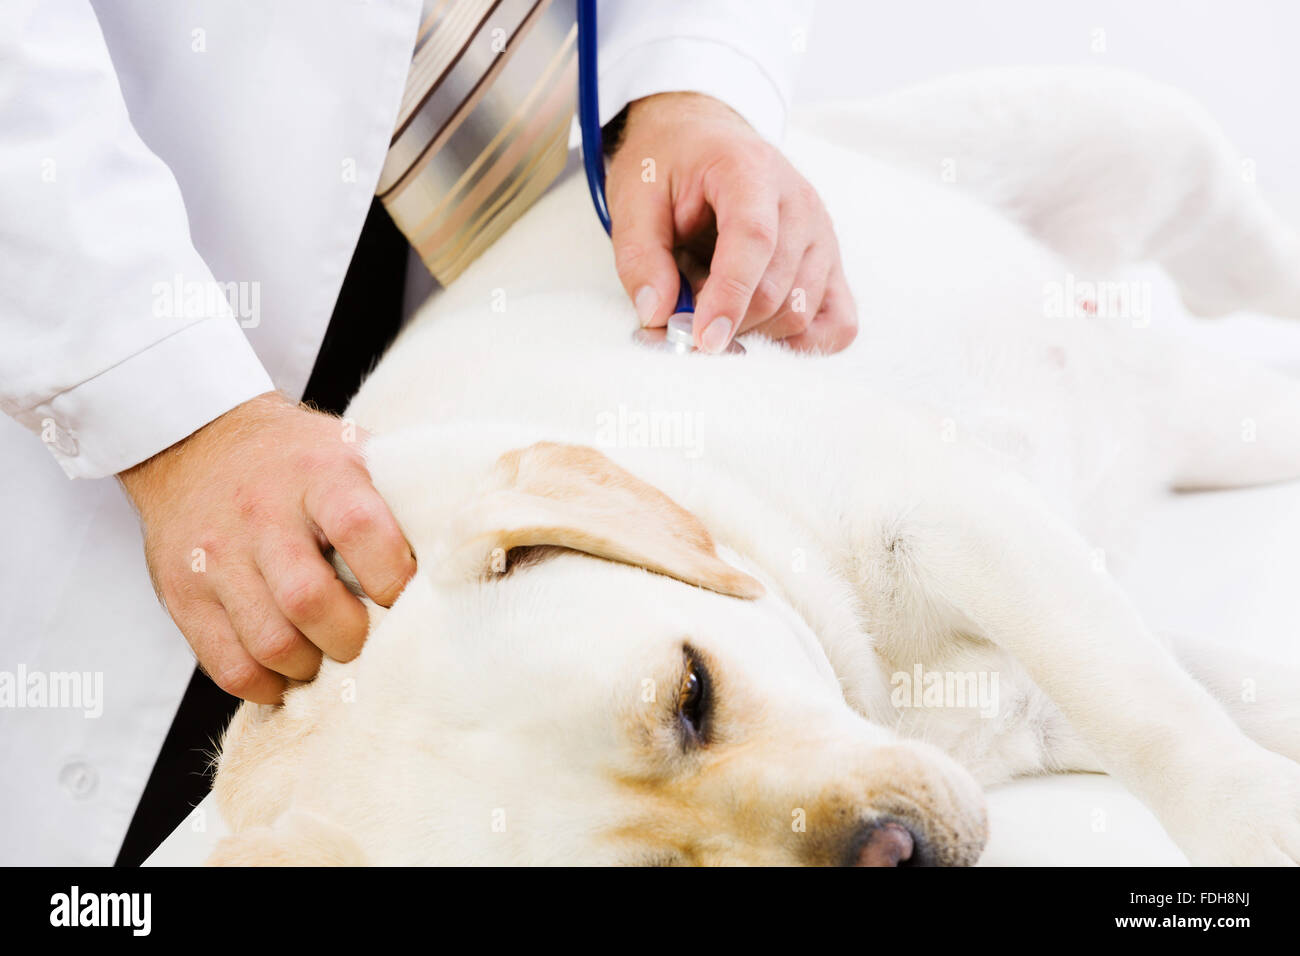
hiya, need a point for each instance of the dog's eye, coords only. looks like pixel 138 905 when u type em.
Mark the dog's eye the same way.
pixel 693 701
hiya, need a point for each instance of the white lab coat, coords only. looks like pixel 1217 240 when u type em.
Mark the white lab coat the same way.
pixel 148 146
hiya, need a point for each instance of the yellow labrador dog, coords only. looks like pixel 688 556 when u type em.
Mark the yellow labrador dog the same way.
pixel 780 609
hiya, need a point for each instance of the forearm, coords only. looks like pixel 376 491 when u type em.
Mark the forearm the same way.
pixel 98 355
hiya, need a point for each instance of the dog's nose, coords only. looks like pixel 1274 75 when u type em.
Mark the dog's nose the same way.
pixel 885 844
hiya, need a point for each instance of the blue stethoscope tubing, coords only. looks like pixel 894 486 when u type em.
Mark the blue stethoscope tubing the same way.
pixel 593 155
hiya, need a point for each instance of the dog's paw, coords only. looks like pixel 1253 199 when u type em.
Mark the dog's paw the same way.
pixel 1243 812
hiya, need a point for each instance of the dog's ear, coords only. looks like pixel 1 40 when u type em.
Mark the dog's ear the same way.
pixel 574 497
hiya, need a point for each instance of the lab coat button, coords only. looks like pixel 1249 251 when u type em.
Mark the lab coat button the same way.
pixel 79 778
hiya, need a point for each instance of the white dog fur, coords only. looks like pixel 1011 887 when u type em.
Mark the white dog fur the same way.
pixel 949 492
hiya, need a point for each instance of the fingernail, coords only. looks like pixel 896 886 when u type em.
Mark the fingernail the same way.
pixel 646 301
pixel 717 335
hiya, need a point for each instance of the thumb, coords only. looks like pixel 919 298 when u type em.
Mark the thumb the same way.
pixel 642 233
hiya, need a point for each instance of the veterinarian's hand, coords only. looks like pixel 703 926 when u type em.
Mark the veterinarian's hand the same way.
pixel 691 177
pixel 235 521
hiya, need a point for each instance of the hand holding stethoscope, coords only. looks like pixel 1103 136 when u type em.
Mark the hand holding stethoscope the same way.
pixel 775 268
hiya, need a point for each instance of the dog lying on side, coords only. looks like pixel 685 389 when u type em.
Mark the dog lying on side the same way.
pixel 710 610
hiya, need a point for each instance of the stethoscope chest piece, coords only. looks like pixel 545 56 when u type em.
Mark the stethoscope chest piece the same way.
pixel 676 337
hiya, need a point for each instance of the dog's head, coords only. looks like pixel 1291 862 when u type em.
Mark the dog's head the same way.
pixel 576 675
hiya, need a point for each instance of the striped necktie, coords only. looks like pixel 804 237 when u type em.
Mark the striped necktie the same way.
pixel 484 123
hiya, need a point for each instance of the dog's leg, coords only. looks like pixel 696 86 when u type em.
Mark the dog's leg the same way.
pixel 1262 696
pixel 1104 166
pixel 1220 421
pixel 987 559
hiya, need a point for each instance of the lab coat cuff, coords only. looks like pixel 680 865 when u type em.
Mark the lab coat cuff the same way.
pixel 151 400
pixel 695 65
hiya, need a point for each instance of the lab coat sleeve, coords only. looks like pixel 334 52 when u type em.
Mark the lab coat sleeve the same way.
pixel 99 357
pixel 742 52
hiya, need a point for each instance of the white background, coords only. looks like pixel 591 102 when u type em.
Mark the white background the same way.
pixel 1240 58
